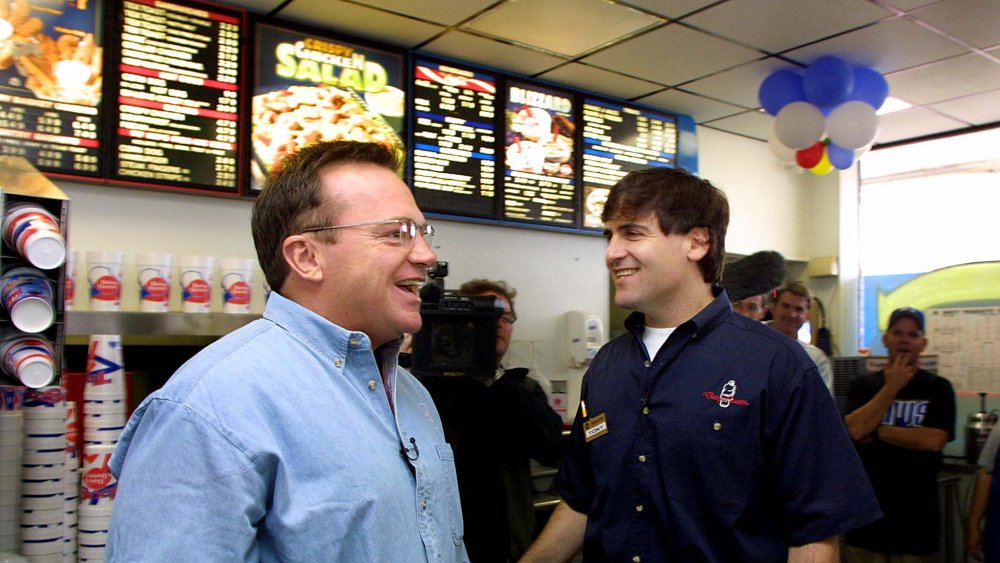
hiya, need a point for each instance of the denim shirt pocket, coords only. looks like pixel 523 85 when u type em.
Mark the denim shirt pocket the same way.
pixel 447 458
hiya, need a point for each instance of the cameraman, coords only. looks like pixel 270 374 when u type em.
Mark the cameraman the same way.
pixel 495 424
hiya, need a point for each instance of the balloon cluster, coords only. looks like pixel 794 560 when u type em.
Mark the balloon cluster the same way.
pixel 825 117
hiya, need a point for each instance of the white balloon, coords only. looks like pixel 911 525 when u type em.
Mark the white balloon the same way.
pixel 799 125
pixel 852 125
pixel 780 151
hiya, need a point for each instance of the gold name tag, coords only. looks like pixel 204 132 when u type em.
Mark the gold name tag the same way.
pixel 595 427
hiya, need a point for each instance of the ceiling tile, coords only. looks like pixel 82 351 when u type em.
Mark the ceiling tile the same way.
pixel 973 21
pixel 701 109
pixel 360 21
pixel 672 55
pixel 886 47
pixel 739 85
pixel 568 27
pixel 255 6
pixel 487 52
pixel 907 5
pixel 977 109
pixel 669 8
pixel 600 80
pixel 772 26
pixel 913 122
pixel 445 12
pixel 755 124
pixel 944 80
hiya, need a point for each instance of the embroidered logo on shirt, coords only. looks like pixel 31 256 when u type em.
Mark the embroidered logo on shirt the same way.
pixel 727 396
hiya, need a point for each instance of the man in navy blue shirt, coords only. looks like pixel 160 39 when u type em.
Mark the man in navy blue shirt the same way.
pixel 701 435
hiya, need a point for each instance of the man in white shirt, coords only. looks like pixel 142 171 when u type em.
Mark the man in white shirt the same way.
pixel 789 311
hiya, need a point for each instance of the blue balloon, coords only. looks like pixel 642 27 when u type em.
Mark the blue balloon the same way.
pixel 780 89
pixel 870 87
pixel 827 82
pixel 840 158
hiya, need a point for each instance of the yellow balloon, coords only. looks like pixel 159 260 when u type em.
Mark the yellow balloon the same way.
pixel 823 167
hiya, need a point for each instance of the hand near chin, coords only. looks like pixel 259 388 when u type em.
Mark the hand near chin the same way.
pixel 900 371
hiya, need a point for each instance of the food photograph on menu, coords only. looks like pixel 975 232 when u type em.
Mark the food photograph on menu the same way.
pixel 314 88
pixel 539 183
pixel 51 62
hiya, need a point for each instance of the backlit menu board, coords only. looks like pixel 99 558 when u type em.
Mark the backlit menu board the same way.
pixel 178 95
pixel 618 139
pixel 318 88
pixel 51 62
pixel 454 139
pixel 539 164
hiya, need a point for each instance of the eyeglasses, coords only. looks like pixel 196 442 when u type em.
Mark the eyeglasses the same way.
pixel 404 236
pixel 508 318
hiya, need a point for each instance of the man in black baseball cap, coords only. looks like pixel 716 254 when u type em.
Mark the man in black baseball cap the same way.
pixel 900 418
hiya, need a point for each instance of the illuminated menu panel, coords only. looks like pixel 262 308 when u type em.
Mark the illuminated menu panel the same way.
pixel 539 170
pixel 51 62
pixel 314 88
pixel 619 139
pixel 178 95
pixel 454 140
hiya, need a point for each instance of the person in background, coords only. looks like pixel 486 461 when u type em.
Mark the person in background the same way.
pixel 789 311
pixel 981 503
pixel 496 424
pixel 900 419
pixel 701 435
pixel 297 437
pixel 749 281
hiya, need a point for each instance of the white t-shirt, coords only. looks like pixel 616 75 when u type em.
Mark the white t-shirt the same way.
pixel 989 452
pixel 654 338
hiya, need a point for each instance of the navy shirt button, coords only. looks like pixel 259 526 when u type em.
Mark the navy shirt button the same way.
pixel 647 363
pixel 642 458
pixel 636 559
pixel 645 410
pixel 638 508
pixel 717 426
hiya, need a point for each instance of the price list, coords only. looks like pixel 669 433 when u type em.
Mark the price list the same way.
pixel 455 135
pixel 619 139
pixel 50 85
pixel 539 171
pixel 178 95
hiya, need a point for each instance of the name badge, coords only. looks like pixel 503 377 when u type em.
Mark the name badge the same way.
pixel 595 427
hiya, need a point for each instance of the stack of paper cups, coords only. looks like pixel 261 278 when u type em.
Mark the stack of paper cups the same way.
pixel 27 295
pixel 42 473
pixel 195 277
pixel 71 484
pixel 104 276
pixel 97 497
pixel 11 444
pixel 70 286
pixel 154 281
pixel 28 358
pixel 34 233
pixel 234 273
pixel 104 391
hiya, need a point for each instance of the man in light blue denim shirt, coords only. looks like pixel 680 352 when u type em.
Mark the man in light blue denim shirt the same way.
pixel 297 437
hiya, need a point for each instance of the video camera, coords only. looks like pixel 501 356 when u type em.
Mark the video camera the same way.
pixel 459 333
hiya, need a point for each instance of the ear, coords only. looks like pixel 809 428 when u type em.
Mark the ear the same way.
pixel 700 243
pixel 885 340
pixel 922 345
pixel 300 253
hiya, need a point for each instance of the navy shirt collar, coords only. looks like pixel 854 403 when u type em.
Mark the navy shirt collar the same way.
pixel 714 314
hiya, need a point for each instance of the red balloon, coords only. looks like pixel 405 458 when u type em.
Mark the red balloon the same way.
pixel 807 158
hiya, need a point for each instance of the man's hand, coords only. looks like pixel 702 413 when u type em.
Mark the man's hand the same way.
pixel 900 371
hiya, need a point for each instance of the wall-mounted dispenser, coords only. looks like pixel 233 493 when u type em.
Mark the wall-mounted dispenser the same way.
pixel 584 337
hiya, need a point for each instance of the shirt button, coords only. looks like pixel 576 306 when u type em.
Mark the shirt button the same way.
pixel 642 458
pixel 636 559
pixel 717 426
pixel 372 385
pixel 638 508
pixel 355 342
pixel 423 504
pixel 645 410
pixel 647 363
pixel 338 362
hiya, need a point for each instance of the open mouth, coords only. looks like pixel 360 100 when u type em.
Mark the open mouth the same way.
pixel 410 286
pixel 626 272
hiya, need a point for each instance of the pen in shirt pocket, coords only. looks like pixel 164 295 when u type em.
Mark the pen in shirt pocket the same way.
pixel 583 408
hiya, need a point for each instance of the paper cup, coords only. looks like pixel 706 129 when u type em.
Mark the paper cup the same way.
pixel 234 275
pixel 12 397
pixel 70 285
pixel 45 402
pixel 154 281
pixel 114 406
pixel 34 233
pixel 29 358
pixel 97 485
pixel 105 372
pixel 27 295
pixel 195 277
pixel 104 277
pixel 33 548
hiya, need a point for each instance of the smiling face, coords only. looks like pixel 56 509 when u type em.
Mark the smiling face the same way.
pixel 790 312
pixel 370 282
pixel 904 338
pixel 655 273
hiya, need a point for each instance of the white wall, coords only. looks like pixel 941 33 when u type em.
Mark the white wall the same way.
pixel 772 208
